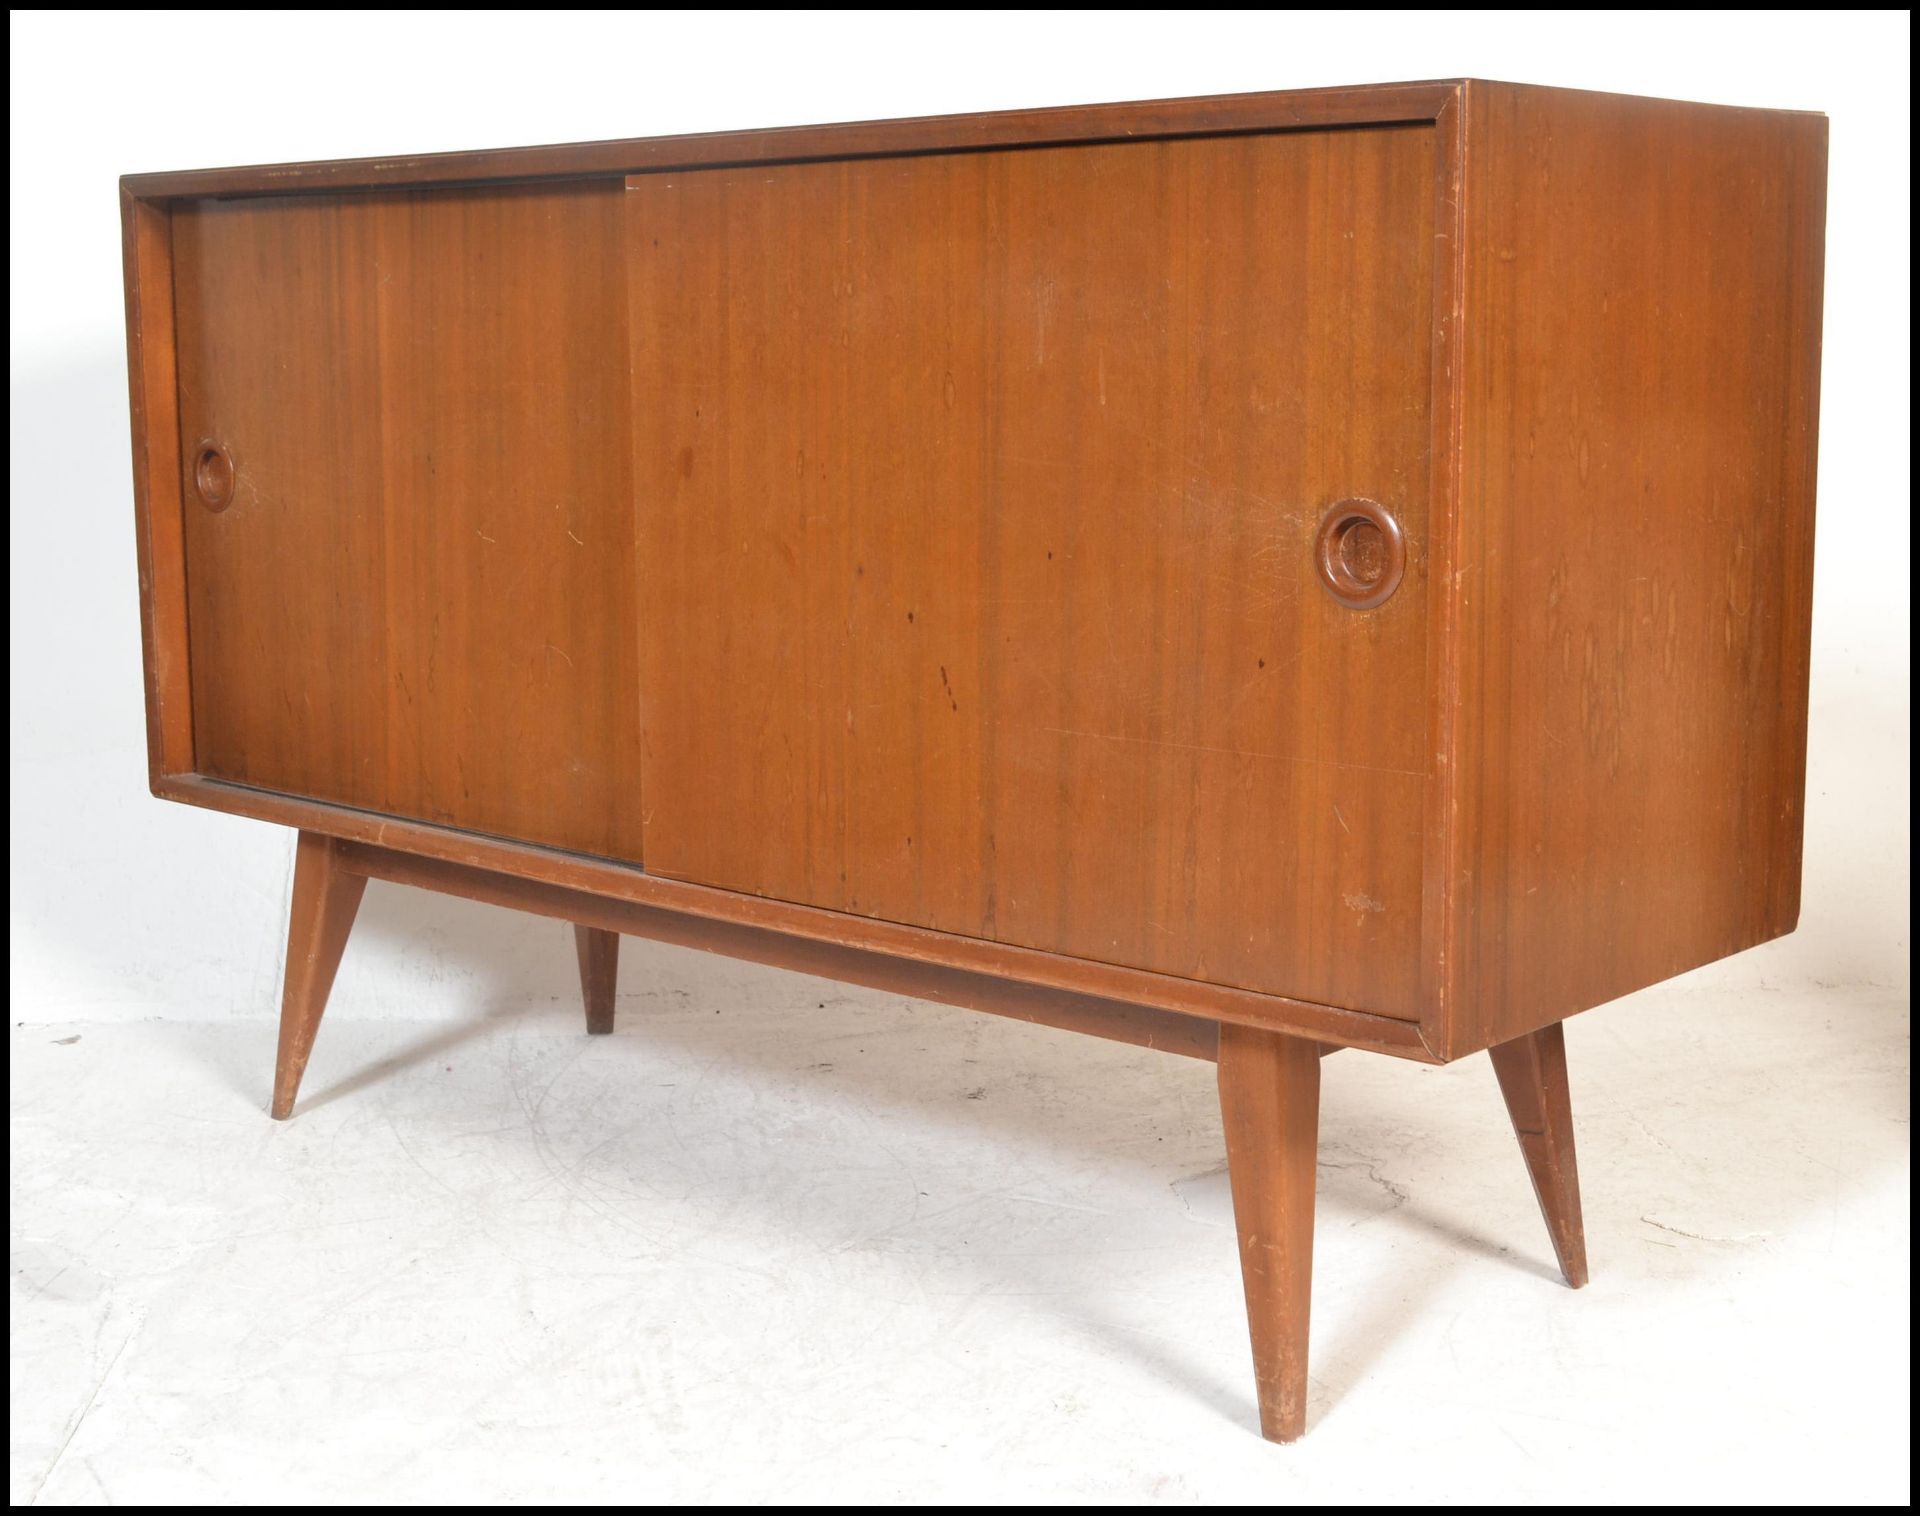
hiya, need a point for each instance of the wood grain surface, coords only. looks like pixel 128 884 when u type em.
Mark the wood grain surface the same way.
pixel 1629 682
pixel 999 994
pixel 326 898
pixel 421 600
pixel 1532 1071
pixel 978 500
pixel 1155 355
pixel 800 937
pixel 159 524
pixel 1270 1112
pixel 1267 110
pixel 599 955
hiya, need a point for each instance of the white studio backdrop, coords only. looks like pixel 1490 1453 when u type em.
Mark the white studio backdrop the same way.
pixel 123 907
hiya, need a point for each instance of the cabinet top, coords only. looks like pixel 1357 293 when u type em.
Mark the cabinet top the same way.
pixel 1281 110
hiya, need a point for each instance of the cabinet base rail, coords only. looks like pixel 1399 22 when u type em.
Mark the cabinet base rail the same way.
pixel 1269 1081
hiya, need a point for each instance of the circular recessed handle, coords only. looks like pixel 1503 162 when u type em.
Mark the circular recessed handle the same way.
pixel 1361 553
pixel 213 476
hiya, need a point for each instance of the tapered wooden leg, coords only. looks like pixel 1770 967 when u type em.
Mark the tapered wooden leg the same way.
pixel 325 900
pixel 1533 1078
pixel 1270 1106
pixel 599 970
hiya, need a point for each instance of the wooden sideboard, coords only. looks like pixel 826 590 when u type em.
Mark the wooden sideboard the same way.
pixel 1246 576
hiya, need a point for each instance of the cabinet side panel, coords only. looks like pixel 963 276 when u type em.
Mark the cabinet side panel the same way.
pixel 147 256
pixel 1641 396
pixel 420 598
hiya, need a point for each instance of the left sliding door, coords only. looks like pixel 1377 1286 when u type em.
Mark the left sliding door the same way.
pixel 410 538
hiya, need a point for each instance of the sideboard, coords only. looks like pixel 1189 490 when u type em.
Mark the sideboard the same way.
pixel 1248 576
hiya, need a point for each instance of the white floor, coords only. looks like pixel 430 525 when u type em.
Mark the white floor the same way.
pixel 777 1241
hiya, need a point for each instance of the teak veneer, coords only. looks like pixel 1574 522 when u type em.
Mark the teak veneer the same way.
pixel 1243 576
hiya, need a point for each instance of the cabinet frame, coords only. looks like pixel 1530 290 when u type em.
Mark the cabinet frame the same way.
pixel 1491 968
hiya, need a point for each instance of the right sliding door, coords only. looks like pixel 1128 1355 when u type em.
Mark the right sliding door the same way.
pixel 979 499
